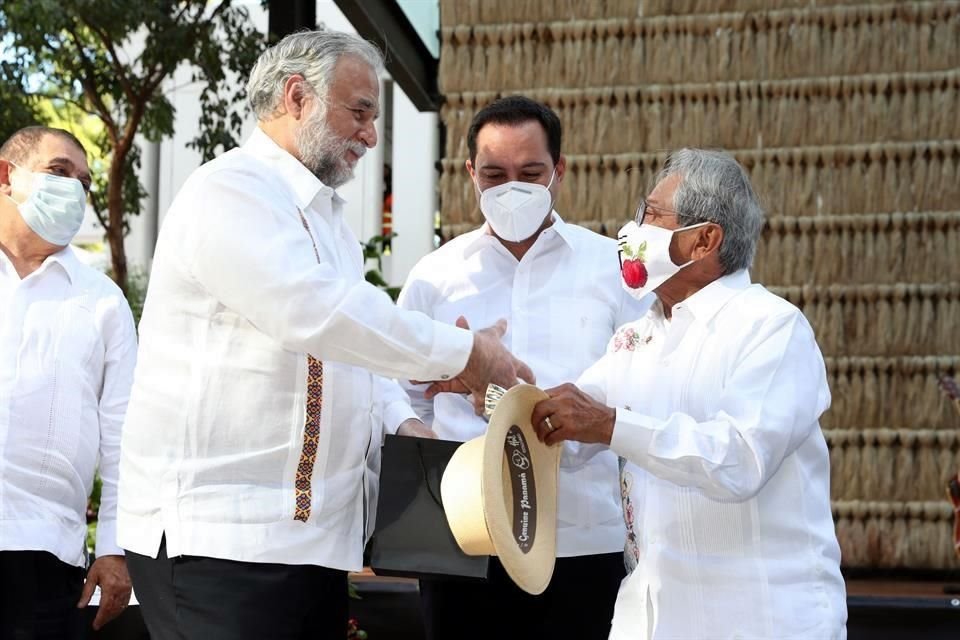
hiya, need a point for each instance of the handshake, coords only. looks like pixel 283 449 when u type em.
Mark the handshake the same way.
pixel 489 362
pixel 568 413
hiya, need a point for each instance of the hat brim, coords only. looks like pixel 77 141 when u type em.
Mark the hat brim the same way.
pixel 519 489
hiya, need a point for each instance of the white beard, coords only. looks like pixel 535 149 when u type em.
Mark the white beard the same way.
pixel 324 153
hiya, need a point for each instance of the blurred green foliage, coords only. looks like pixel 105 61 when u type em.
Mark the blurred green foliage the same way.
pixel 373 250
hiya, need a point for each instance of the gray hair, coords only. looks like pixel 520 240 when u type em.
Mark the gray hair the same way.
pixel 715 188
pixel 311 54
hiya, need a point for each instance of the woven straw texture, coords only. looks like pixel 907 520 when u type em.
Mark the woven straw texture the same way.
pixel 847 116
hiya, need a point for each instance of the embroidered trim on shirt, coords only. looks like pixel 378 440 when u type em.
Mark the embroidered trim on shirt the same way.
pixel 628 338
pixel 631 550
pixel 303 487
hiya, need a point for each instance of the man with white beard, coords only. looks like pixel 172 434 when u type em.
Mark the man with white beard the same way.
pixel 258 391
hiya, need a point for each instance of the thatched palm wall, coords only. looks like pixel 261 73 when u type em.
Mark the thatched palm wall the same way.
pixel 847 116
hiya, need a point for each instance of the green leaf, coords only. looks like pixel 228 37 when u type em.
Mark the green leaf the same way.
pixel 375 278
pixel 352 591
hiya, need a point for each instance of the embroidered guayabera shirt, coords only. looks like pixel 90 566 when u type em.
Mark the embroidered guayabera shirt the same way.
pixel 563 301
pixel 67 351
pixel 726 485
pixel 237 445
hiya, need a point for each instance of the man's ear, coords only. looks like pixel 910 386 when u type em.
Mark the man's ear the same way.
pixel 6 168
pixel 294 94
pixel 561 168
pixel 708 241
pixel 470 169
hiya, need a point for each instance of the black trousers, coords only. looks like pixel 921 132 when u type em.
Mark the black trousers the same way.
pixel 38 597
pixel 577 604
pixel 197 598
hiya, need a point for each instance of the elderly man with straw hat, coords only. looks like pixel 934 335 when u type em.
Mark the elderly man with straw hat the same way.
pixel 712 402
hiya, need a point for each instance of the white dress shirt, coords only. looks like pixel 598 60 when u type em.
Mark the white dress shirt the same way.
pixel 562 303
pixel 67 352
pixel 726 487
pixel 228 448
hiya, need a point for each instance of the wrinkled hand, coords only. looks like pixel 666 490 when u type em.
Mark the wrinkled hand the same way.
pixel 573 415
pixel 110 572
pixel 415 429
pixel 490 362
pixel 447 386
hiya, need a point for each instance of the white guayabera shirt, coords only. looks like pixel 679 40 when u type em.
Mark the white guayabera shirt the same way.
pixel 67 352
pixel 726 486
pixel 236 444
pixel 563 301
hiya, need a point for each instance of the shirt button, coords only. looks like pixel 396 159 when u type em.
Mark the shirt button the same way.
pixel 445 376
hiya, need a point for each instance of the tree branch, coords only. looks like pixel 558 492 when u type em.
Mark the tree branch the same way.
pixel 183 10
pixel 79 105
pixel 220 8
pixel 160 72
pixel 182 85
pixel 101 219
pixel 113 58
pixel 90 89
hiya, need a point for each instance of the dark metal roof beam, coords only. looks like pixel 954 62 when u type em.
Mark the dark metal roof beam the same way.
pixel 288 16
pixel 407 58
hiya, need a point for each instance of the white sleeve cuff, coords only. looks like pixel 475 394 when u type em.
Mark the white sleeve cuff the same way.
pixel 632 433
pixel 107 539
pixel 451 350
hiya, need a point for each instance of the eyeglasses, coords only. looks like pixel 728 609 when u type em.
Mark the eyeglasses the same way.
pixel 642 211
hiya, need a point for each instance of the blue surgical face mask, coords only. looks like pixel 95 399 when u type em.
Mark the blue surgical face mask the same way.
pixel 52 206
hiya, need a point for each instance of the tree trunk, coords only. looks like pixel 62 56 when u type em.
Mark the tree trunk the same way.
pixel 114 230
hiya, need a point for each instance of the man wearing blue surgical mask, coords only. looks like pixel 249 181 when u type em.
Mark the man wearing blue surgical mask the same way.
pixel 67 351
pixel 558 286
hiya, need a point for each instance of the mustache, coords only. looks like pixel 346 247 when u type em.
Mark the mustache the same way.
pixel 358 148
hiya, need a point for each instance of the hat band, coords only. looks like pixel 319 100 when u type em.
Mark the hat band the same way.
pixel 524 488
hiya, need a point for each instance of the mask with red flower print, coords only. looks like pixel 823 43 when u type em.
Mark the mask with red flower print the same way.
pixel 645 262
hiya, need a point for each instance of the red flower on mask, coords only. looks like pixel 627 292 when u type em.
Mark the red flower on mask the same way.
pixel 631 267
pixel 634 273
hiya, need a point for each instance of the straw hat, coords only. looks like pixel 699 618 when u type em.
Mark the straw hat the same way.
pixel 499 492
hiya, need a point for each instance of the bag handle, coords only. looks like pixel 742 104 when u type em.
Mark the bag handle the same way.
pixel 426 474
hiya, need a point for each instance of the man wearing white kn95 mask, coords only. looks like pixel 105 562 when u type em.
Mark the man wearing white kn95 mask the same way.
pixel 67 352
pixel 558 285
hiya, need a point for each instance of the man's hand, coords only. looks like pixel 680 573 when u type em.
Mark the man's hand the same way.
pixel 491 362
pixel 110 572
pixel 416 429
pixel 570 414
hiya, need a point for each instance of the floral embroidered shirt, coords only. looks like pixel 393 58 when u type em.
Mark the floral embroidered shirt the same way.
pixel 726 475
